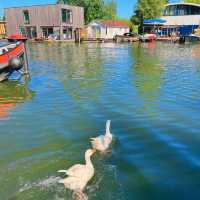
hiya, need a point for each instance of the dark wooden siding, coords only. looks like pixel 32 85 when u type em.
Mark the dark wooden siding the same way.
pixel 40 16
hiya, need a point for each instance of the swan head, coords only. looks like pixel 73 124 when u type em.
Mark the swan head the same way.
pixel 89 152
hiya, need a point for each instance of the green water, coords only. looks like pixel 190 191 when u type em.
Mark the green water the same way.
pixel 151 92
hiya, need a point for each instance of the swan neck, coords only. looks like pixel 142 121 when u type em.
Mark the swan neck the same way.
pixel 108 134
pixel 108 128
pixel 88 161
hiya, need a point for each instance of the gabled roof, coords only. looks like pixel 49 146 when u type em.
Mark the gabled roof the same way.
pixel 114 23
pixel 111 23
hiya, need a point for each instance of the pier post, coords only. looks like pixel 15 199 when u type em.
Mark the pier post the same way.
pixel 26 70
pixel 79 36
pixel 77 33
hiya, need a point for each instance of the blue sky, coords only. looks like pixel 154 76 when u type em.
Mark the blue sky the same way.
pixel 125 7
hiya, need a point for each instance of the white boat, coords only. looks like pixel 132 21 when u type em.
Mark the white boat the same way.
pixel 147 38
pixel 193 38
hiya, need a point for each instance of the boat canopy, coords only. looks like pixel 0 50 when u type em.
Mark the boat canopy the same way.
pixel 3 44
pixel 154 21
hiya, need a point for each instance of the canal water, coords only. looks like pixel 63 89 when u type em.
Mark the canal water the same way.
pixel 151 92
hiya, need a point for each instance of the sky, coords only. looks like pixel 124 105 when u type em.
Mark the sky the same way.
pixel 124 7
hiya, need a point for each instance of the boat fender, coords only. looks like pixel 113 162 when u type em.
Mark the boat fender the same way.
pixel 15 63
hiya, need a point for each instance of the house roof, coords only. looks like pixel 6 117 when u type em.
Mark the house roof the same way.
pixel 113 23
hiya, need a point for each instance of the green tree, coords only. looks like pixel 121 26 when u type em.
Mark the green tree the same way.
pixel 95 9
pixel 148 9
pixel 192 1
pixel 110 9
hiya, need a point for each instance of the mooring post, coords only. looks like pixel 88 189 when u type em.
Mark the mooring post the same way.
pixel 79 36
pixel 26 69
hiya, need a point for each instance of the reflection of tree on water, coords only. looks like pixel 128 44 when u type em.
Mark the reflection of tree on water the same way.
pixel 79 68
pixel 147 72
pixel 195 52
pixel 84 75
pixel 11 94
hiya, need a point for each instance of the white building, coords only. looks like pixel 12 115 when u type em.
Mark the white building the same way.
pixel 182 14
pixel 182 17
pixel 106 29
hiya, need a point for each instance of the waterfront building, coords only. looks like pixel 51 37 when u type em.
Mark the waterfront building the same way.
pixel 106 29
pixel 182 18
pixel 57 21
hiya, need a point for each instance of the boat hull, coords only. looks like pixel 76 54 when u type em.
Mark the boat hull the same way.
pixel 193 39
pixel 12 50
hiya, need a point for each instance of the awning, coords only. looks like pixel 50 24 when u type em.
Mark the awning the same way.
pixel 154 21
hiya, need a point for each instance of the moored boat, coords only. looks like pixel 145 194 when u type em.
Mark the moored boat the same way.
pixel 148 38
pixel 12 56
pixel 194 37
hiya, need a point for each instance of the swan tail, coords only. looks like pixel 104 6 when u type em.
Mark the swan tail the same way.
pixel 79 195
pixel 108 126
pixel 62 171
pixel 92 139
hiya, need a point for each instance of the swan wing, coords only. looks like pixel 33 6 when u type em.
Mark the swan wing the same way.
pixel 101 143
pixel 73 183
pixel 98 139
pixel 76 170
pixel 98 143
pixel 62 171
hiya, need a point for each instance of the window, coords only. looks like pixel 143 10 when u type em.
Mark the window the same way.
pixel 66 16
pixel 67 33
pixel 180 10
pixel 47 31
pixel 22 31
pixel 26 17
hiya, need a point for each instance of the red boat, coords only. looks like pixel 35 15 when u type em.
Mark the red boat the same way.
pixel 12 56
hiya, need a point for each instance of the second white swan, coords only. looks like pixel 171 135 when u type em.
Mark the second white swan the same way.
pixel 102 142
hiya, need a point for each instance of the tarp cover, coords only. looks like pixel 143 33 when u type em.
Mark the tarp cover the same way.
pixel 154 21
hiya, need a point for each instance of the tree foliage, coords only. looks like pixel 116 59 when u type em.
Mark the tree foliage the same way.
pixel 95 9
pixel 110 9
pixel 148 9
pixel 192 1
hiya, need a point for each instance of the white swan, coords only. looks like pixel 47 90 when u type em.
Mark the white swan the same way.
pixel 103 142
pixel 79 175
